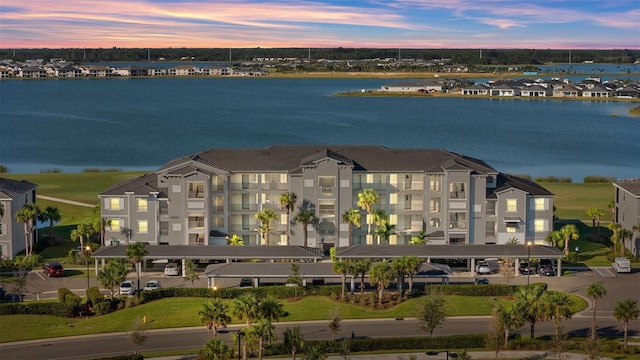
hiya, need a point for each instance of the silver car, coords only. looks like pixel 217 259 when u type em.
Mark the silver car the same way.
pixel 152 285
pixel 483 268
pixel 128 288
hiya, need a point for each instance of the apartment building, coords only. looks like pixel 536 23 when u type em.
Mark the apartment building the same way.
pixel 14 195
pixel 627 210
pixel 202 199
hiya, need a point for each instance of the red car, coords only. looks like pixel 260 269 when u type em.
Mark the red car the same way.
pixel 53 269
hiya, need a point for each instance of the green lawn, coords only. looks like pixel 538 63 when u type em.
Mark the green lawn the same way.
pixel 573 200
pixel 182 312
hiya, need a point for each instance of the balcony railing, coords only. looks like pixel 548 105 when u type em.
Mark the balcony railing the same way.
pixel 326 190
pixel 458 225
pixel 374 186
pixel 217 188
pixel 274 186
pixel 241 186
pixel 217 209
pixel 195 224
pixel 243 227
pixel 244 207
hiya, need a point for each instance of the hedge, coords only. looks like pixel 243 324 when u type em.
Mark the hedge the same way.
pixel 40 308
pixel 279 292
pixel 477 290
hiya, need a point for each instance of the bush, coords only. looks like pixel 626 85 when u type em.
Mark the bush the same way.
pixel 62 294
pixel 103 307
pixel 279 292
pixel 598 179
pixel 94 295
pixel 474 290
pixel 122 357
pixel 40 308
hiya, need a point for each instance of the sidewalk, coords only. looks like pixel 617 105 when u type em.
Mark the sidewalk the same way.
pixel 475 355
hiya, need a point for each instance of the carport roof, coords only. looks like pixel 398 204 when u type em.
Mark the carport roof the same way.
pixel 212 252
pixel 447 251
pixel 283 270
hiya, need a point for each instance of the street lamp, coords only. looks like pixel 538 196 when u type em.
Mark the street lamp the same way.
pixel 86 259
pixel 528 261
pixel 576 254
pixel 240 335
pixel 214 290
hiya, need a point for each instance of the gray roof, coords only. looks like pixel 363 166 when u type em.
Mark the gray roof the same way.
pixel 141 185
pixel 364 158
pixel 12 188
pixel 283 270
pixel 630 185
pixel 506 181
pixel 447 251
pixel 212 252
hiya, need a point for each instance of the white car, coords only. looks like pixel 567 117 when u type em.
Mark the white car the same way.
pixel 128 288
pixel 483 268
pixel 172 269
pixel 152 285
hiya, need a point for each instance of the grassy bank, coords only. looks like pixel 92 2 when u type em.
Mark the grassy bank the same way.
pixel 183 312
pixel 635 111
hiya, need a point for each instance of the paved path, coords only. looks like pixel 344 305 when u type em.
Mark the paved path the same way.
pixel 51 198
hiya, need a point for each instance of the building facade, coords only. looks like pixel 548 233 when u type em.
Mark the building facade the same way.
pixel 204 198
pixel 14 195
pixel 627 211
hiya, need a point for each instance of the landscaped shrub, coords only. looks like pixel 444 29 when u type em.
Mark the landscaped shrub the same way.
pixel 40 308
pixel 122 357
pixel 598 179
pixel 279 292
pixel 527 344
pixel 103 307
pixel 474 290
pixel 62 294
pixel 94 295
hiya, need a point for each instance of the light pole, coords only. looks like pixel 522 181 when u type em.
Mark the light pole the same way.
pixel 240 334
pixel 528 261
pixel 576 254
pixel 86 259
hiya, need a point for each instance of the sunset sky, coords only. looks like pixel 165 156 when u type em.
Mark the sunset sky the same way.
pixel 540 24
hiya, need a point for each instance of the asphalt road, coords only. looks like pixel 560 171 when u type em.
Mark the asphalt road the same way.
pixel 618 288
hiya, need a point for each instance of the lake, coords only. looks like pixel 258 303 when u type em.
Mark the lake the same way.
pixel 142 123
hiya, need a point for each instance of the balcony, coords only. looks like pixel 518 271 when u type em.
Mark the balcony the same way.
pixel 244 207
pixel 274 186
pixel 457 225
pixel 217 209
pixel 195 224
pixel 243 227
pixel 326 190
pixel 374 186
pixel 217 188
pixel 243 186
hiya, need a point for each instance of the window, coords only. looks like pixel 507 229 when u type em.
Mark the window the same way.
pixel 511 229
pixel 435 222
pixel 434 205
pixel 490 229
pixel 176 188
pixel 114 225
pixel 539 204
pixel 539 225
pixel 142 205
pixel 457 220
pixel 326 184
pixel 512 205
pixel 491 208
pixel 435 182
pixel 114 204
pixel 143 226
pixel 1 229
pixel 326 208
pixel 457 191
pixel 196 190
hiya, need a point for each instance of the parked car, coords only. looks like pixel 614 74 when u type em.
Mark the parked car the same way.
pixel 246 282
pixel 53 269
pixel 152 285
pixel 483 268
pixel 527 268
pixel 172 269
pixel 547 271
pixel 545 266
pixel 482 281
pixel 128 288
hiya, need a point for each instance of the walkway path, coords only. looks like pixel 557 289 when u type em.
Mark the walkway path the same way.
pixel 51 198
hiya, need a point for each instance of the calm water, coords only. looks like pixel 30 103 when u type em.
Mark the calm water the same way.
pixel 142 123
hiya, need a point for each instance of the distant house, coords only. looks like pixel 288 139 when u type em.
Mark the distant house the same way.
pixel 627 210
pixel 504 90
pixel 33 72
pixel 99 71
pixel 565 90
pixel 597 91
pixel 69 72
pixel 183 70
pixel 535 91
pixel 413 86
pixel 6 72
pixel 217 71
pixel 14 195
pixel 629 91
pixel 477 89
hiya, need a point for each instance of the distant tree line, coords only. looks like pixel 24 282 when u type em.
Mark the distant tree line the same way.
pixel 457 56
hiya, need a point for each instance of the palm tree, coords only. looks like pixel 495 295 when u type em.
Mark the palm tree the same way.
pixel 260 333
pixel 23 217
pixel 624 234
pixel 385 230
pixel 214 315
pixel 353 218
pixel 595 214
pixel 612 206
pixel 529 303
pixel 558 308
pixel 52 215
pixel 420 239
pixel 266 216
pixel 114 273
pixel 246 307
pixel 287 203
pixel 127 232
pixel 595 291
pixel 360 267
pixel 413 265
pixel 305 217
pixel 381 274
pixel 100 225
pixel 566 233
pixel 625 311
pixel 270 309
pixel 378 217
pixel 510 319
pixel 215 349
pixel 235 240
pixel 293 340
pixel 615 227
pixel 81 232
pixel 342 267
pixel 367 198
pixel 136 253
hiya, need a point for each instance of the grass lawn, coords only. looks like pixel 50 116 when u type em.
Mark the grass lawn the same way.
pixel 182 312
pixel 573 200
